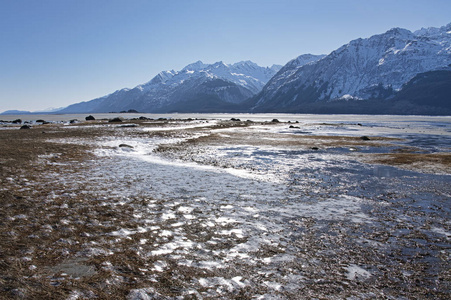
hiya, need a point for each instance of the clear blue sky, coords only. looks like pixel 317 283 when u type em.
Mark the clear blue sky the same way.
pixel 57 52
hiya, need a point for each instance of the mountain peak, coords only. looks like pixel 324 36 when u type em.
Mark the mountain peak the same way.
pixel 399 32
pixel 245 63
pixel 434 31
pixel 219 64
pixel 276 68
pixel 196 66
pixel 302 60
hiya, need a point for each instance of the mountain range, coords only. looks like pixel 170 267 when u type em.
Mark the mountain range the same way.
pixel 376 68
pixel 198 87
pixel 396 72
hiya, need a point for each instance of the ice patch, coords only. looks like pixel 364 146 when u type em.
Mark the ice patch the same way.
pixel 122 232
pixel 441 231
pixel 159 266
pixel 143 294
pixel 228 284
pixel 168 215
pixel 357 273
pixel 185 209
pixel 166 233
pixel 224 220
pixel 237 232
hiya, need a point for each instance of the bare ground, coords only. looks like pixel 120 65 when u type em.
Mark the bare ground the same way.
pixel 57 229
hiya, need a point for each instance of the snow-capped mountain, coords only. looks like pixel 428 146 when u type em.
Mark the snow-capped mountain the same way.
pixel 371 68
pixel 197 87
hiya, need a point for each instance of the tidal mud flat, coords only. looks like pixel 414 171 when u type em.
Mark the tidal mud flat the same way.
pixel 226 209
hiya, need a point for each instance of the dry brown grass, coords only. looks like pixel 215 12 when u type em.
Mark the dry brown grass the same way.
pixel 292 141
pixel 423 162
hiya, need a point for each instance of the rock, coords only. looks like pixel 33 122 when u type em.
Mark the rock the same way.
pixel 125 146
pixel 115 120
pixel 90 118
pixel 365 138
pixel 25 127
pixel 291 126
pixel 275 121
pixel 235 120
pixel 315 148
pixel 17 121
pixel 73 121
pixel 41 121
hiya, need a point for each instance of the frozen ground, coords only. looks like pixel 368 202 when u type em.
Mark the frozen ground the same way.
pixel 238 210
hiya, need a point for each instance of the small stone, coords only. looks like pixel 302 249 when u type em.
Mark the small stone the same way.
pixel 125 146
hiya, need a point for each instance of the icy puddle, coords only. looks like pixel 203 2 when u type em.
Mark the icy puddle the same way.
pixel 250 212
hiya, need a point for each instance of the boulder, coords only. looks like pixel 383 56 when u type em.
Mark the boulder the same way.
pixel 90 118
pixel 115 120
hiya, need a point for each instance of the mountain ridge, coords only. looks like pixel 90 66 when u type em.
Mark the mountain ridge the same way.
pixel 228 83
pixel 373 68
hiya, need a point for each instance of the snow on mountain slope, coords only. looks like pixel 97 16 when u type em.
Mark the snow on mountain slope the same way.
pixel 245 73
pixel 362 69
pixel 230 83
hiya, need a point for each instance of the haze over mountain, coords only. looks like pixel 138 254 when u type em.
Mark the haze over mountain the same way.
pixel 198 87
pixel 364 69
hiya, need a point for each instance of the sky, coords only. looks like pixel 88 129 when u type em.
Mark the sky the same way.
pixel 54 53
